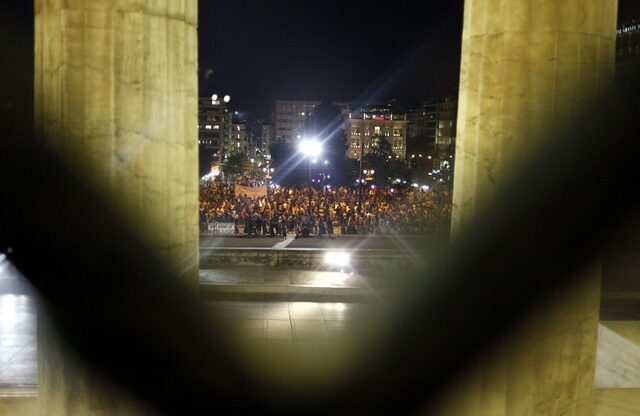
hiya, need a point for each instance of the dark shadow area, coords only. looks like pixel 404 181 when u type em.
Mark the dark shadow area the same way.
pixel 125 313
pixel 101 285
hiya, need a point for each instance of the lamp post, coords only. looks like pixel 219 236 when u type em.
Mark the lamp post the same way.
pixel 360 173
pixel 311 149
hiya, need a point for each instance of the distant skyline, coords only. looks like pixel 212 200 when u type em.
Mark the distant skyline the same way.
pixel 260 51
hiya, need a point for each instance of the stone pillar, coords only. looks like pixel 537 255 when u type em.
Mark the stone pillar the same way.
pixel 544 366
pixel 527 68
pixel 116 97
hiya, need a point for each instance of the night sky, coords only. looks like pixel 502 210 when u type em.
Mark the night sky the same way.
pixel 258 51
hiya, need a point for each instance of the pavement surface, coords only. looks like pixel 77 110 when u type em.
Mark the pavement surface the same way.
pixel 18 344
pixel 357 241
pixel 297 284
pixel 285 321
pixel 300 343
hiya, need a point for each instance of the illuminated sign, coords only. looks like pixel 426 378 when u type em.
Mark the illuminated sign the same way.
pixel 628 29
pixel 378 117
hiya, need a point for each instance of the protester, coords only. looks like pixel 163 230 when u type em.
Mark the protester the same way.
pixel 310 211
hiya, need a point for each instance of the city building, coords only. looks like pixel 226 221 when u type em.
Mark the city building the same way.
pixel 239 141
pixel 432 129
pixel 628 40
pixel 290 116
pixel 267 137
pixel 364 127
pixel 420 137
pixel 214 129
pixel 261 135
pixel 446 115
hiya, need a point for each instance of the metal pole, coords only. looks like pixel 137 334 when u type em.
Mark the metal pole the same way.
pixel 310 187
pixel 359 175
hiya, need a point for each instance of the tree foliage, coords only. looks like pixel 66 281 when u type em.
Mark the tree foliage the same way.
pixel 237 165
pixel 384 162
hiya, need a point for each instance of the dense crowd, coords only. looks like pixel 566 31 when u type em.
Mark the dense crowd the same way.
pixel 305 211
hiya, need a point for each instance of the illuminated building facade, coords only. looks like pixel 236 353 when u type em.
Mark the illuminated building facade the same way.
pixel 290 116
pixel 214 128
pixel 267 137
pixel 444 129
pixel 628 40
pixel 432 129
pixel 363 128
pixel 239 141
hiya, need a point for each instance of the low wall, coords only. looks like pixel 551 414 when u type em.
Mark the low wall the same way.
pixel 361 260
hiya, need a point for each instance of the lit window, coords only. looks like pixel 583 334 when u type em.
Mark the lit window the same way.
pixel 377 130
pixel 208 127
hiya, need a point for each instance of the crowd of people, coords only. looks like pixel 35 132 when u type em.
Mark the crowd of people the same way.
pixel 305 211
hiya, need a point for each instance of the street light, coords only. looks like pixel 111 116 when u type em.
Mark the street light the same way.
pixel 311 149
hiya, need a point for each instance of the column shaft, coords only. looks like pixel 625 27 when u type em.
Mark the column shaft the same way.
pixel 528 67
pixel 116 97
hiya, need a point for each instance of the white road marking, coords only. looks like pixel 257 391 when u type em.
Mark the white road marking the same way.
pixel 284 243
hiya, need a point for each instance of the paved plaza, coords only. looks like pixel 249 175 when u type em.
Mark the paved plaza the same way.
pixel 362 242
pixel 304 337
pixel 18 346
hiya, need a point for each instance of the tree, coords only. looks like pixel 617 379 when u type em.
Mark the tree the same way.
pixel 288 170
pixel 421 167
pixel 236 165
pixel 384 162
pixel 280 152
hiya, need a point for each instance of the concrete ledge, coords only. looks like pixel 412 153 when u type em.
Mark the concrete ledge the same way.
pixel 29 392
pixel 361 260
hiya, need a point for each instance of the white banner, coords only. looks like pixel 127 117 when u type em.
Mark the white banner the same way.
pixel 251 191
pixel 222 228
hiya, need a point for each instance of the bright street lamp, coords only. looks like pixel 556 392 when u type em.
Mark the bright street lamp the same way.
pixel 311 149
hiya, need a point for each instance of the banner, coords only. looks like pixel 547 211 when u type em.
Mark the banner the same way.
pixel 221 228
pixel 251 191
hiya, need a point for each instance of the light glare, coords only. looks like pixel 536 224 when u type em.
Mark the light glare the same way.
pixel 310 148
pixel 337 258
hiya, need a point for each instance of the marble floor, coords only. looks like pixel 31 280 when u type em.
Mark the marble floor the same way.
pixel 18 348
pixel 306 345
pixel 299 336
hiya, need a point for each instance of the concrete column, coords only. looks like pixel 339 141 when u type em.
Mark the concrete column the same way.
pixel 116 97
pixel 527 68
pixel 544 366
